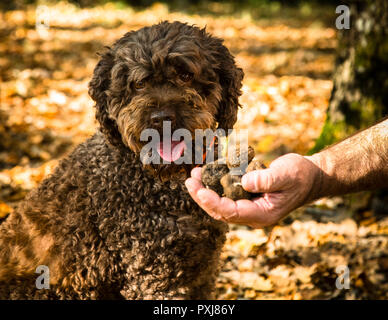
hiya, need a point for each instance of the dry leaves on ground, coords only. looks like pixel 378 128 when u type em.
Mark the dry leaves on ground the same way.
pixel 45 110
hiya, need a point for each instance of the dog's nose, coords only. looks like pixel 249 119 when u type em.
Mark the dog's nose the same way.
pixel 157 117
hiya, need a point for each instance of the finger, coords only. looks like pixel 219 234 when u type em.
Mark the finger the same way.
pixel 216 207
pixel 196 173
pixel 241 212
pixel 193 185
pixel 207 199
pixel 257 213
pixel 249 213
pixel 265 180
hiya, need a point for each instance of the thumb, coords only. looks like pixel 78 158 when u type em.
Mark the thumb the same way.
pixel 260 181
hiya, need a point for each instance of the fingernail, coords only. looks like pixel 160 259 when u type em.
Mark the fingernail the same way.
pixel 248 182
pixel 245 181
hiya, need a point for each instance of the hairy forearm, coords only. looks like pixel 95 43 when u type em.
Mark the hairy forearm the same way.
pixel 358 163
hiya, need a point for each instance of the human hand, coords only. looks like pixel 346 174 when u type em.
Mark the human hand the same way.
pixel 290 181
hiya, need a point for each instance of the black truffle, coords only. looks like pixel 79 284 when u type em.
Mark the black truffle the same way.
pixel 218 177
pixel 233 188
pixel 212 174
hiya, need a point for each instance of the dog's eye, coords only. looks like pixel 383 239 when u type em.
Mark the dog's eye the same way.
pixel 186 76
pixel 140 84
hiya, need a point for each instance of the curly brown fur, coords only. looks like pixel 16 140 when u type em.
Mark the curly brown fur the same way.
pixel 106 227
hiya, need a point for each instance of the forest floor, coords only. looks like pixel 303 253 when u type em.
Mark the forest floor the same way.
pixel 288 60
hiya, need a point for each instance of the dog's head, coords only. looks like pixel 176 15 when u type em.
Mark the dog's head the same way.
pixel 167 72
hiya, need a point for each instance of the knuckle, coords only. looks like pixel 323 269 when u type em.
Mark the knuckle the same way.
pixel 232 218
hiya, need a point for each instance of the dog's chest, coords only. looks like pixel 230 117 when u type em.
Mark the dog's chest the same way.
pixel 127 192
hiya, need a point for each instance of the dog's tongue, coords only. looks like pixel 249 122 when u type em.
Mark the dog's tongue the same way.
pixel 171 150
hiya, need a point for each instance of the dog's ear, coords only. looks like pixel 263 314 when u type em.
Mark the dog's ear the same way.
pixel 98 87
pixel 231 81
pixel 101 77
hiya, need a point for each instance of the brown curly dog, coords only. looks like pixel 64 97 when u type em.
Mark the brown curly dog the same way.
pixel 107 226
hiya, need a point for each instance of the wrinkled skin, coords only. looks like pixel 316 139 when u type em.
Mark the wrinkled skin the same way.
pixel 355 164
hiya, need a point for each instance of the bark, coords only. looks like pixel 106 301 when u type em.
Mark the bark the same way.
pixel 360 83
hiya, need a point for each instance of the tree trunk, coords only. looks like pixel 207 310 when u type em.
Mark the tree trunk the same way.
pixel 360 89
